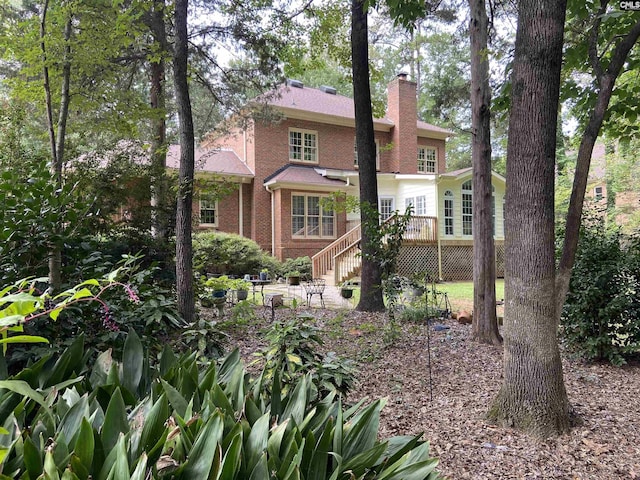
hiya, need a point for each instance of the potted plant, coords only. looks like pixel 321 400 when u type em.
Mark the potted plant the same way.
pixel 263 274
pixel 219 286
pixel 241 287
pixel 293 277
pixel 346 290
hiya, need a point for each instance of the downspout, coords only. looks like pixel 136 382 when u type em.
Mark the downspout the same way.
pixel 438 228
pixel 273 221
pixel 240 211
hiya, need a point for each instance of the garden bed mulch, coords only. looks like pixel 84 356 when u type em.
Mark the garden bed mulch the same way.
pixel 465 377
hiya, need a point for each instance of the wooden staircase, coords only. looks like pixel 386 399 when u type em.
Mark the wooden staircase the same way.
pixel 340 260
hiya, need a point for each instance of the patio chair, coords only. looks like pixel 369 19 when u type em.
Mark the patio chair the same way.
pixel 314 287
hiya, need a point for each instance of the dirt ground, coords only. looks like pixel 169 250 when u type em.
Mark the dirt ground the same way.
pixel 448 401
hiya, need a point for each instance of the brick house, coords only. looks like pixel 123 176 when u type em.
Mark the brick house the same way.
pixel 284 168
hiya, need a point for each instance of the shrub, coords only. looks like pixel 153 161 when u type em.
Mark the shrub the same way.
pixel 302 265
pixel 601 316
pixel 184 421
pixel 215 252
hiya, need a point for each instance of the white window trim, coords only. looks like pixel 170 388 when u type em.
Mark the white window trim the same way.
pixel 414 201
pixel 202 203
pixel 306 214
pixel 429 166
pixel 355 154
pixel 303 132
pixel 393 205
pixel 450 198
pixel 469 192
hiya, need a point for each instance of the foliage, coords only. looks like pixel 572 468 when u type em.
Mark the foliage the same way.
pixel 292 353
pixel 148 308
pixel 231 254
pixel 184 421
pixel 601 316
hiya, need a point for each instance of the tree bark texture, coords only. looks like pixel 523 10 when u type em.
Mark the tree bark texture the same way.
pixel 159 190
pixel 485 321
pixel 184 245
pixel 606 80
pixel 533 396
pixel 371 298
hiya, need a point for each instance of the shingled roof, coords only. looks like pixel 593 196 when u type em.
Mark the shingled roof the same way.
pixel 319 101
pixel 224 162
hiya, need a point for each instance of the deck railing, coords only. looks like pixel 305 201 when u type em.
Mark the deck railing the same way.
pixel 342 255
pixel 323 261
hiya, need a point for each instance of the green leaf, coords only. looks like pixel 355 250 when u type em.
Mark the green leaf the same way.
pixel 85 444
pixel 176 400
pixel 363 430
pixel 32 458
pixel 231 460
pixel 115 421
pixel 132 362
pixel 22 388
pixel 140 472
pixel 261 470
pixel 24 339
pixel 202 453
pixel 154 423
pixel 320 458
pixel 120 469
pixel 50 469
pixel 257 441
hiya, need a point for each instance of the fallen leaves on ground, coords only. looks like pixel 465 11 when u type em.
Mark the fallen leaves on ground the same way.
pixel 442 383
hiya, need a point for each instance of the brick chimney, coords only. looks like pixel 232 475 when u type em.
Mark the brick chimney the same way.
pixel 402 109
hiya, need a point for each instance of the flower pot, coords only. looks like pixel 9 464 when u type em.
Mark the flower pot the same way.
pixel 242 294
pixel 219 294
pixel 293 280
pixel 263 276
pixel 346 292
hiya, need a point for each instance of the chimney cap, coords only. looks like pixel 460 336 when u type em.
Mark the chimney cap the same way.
pixel 402 75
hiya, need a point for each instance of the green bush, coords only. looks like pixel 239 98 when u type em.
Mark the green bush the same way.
pixel 180 420
pixel 226 253
pixel 601 316
pixel 302 265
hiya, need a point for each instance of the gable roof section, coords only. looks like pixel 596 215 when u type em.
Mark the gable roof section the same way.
pixel 467 172
pixel 302 176
pixel 223 162
pixel 308 103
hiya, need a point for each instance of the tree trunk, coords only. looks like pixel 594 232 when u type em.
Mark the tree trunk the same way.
pixel 533 395
pixel 485 321
pixel 371 299
pixel 159 189
pixel 184 246
pixel 606 82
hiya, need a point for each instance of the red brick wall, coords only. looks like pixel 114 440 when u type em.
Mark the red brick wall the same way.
pixel 440 152
pixel 403 110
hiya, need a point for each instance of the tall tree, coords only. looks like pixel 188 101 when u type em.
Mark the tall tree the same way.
pixel 184 245
pixel 607 55
pixel 371 292
pixel 532 396
pixel 485 321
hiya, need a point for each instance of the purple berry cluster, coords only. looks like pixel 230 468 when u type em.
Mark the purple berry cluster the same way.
pixel 107 319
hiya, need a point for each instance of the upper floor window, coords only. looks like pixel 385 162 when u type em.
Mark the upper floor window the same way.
pixel 355 154
pixel 208 212
pixel 448 212
pixel 467 208
pixel 303 145
pixel 309 218
pixel 426 160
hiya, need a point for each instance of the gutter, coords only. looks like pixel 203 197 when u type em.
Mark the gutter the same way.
pixel 273 221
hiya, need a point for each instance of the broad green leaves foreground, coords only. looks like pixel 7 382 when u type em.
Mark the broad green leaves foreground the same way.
pixel 183 421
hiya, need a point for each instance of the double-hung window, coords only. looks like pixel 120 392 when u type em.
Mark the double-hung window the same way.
pixel 309 219
pixel 467 208
pixel 426 160
pixel 303 146
pixel 208 212
pixel 419 204
pixel 448 212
